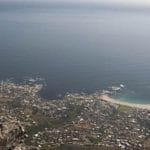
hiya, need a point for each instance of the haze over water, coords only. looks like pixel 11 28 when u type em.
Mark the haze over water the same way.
pixel 77 48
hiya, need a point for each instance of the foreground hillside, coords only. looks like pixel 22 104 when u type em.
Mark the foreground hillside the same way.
pixel 27 122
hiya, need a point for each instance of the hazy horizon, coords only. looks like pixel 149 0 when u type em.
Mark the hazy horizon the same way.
pixel 134 3
pixel 129 5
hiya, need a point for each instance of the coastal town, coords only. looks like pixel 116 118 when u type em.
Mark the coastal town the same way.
pixel 77 120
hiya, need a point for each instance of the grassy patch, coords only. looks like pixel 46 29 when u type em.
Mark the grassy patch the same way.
pixel 123 108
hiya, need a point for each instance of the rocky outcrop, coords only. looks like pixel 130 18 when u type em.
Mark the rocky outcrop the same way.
pixel 11 133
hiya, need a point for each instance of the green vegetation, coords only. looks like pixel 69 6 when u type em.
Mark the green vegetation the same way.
pixel 123 108
pixel 77 147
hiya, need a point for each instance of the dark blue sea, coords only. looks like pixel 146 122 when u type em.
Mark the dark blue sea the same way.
pixel 77 48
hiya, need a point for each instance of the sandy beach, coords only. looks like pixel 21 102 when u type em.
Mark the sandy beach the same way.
pixel 107 98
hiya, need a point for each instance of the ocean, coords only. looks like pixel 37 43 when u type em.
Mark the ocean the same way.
pixel 77 48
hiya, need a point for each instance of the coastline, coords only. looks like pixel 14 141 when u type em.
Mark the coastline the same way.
pixel 107 98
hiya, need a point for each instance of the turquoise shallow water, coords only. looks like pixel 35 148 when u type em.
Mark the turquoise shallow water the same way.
pixel 77 48
pixel 131 100
pixel 129 96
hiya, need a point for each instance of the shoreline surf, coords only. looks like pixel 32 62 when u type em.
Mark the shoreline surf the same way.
pixel 109 99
